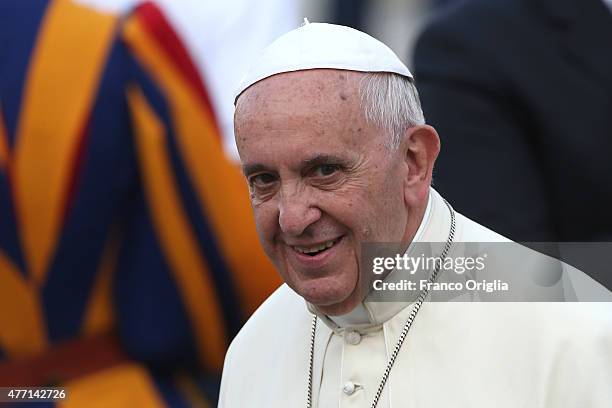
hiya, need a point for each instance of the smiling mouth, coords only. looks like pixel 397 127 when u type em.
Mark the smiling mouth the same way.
pixel 314 250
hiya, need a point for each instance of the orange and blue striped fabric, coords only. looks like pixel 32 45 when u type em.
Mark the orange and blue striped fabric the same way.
pixel 118 208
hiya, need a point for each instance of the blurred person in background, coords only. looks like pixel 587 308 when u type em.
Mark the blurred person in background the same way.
pixel 128 255
pixel 222 38
pixel 521 92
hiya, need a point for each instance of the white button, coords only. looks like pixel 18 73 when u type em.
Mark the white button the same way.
pixel 349 388
pixel 353 338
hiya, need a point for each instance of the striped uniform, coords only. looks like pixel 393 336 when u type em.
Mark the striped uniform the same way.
pixel 118 210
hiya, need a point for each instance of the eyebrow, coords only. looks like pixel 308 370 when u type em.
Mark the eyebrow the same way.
pixel 323 159
pixel 316 160
pixel 253 168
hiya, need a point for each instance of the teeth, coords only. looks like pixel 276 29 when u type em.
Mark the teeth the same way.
pixel 313 249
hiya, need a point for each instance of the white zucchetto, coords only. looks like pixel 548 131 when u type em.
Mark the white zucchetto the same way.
pixel 321 45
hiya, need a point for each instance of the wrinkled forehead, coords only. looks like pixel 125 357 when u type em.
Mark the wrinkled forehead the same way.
pixel 326 88
pixel 307 113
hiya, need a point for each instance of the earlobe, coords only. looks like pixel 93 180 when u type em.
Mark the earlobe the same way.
pixel 420 147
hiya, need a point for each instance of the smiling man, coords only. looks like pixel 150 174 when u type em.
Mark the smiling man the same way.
pixel 324 180
pixel 337 155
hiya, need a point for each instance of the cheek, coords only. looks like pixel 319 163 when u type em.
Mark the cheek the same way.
pixel 393 212
pixel 354 212
pixel 266 222
pixel 384 210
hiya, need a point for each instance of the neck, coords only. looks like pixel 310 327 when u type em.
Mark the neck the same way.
pixel 415 224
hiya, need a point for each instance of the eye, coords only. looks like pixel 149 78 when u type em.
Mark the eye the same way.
pixel 325 170
pixel 262 179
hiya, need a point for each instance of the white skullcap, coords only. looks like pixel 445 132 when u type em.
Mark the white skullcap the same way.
pixel 320 45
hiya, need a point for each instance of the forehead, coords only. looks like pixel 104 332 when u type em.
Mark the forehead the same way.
pixel 312 83
pixel 302 112
pixel 300 93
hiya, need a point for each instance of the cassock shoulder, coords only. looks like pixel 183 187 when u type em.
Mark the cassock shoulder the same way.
pixel 282 316
pixel 270 352
pixel 282 309
pixel 581 354
pixel 471 231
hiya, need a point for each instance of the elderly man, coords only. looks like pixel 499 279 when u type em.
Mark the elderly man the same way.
pixel 337 155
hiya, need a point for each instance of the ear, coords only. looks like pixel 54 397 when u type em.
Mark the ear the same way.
pixel 420 147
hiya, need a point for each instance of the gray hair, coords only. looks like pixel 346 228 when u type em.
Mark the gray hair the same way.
pixel 391 103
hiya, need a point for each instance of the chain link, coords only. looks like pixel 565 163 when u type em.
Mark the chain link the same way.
pixel 313 330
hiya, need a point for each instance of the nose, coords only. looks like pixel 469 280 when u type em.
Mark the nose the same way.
pixel 296 212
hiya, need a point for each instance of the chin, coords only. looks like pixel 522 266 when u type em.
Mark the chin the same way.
pixel 331 300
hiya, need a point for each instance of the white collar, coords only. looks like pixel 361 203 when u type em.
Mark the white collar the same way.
pixel 433 228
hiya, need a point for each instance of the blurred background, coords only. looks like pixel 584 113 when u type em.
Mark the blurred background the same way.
pixel 128 253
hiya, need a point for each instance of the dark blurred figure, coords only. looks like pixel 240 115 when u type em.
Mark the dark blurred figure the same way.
pixel 350 13
pixel 442 3
pixel 521 94
pixel 128 255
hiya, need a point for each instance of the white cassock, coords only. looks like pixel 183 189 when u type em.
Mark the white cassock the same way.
pixel 457 354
